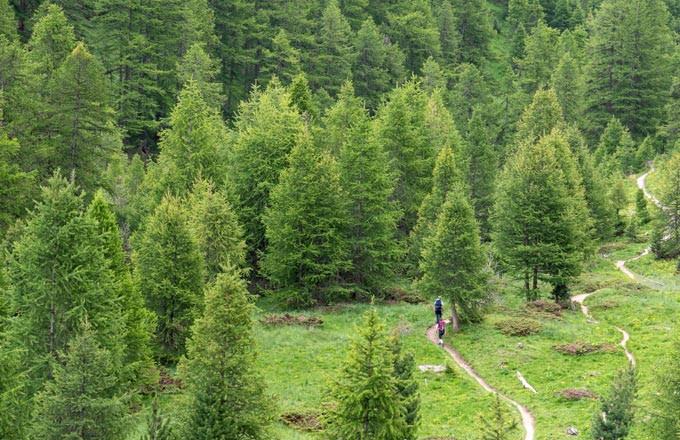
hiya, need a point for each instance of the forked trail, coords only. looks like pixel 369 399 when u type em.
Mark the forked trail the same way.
pixel 527 418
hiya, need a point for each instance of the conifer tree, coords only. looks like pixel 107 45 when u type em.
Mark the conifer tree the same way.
pixel 219 234
pixel 225 388
pixel 667 386
pixel 413 28
pixel 368 184
pixel 198 66
pixel 452 260
pixel 569 86
pixel 333 60
pixel 669 196
pixel 446 177
pixel 401 128
pixel 52 39
pixel 407 385
pixel 378 64
pixel 346 120
pixel 306 226
pixel 366 392
pixel 8 23
pixel 59 276
pixel 536 230
pixel 539 58
pixel 481 171
pixel 283 60
pixel 170 272
pixel 498 424
pixel 16 186
pixel 83 401
pixel 615 416
pixel 433 76
pixel 629 58
pixel 193 145
pixel 449 37
pixel 469 92
pixel 301 98
pixel 139 322
pixel 641 211
pixel 267 129
pixel 669 131
pixel 81 127
pixel 540 118
pixel 473 19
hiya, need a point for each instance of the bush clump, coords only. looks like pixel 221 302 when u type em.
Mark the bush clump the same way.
pixel 307 421
pixel 577 394
pixel 519 327
pixel 579 348
pixel 290 319
pixel 545 307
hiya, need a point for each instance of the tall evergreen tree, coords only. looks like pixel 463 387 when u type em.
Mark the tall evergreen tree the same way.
pixel 306 226
pixel 366 392
pixel 569 86
pixel 641 211
pixel 198 66
pixel 470 91
pixel 474 26
pixel 15 184
pixel 452 260
pixel 283 60
pixel 539 58
pixel 614 418
pixel 413 28
pixel 536 230
pixel 81 128
pixel 368 184
pixel 8 22
pixel 52 40
pixel 170 272
pixel 267 130
pixel 669 196
pixel 407 385
pixel 628 70
pixel 449 35
pixel 219 234
pixel 540 117
pixel 59 277
pixel 401 128
pixel 497 425
pixel 378 64
pixel 83 401
pixel 225 388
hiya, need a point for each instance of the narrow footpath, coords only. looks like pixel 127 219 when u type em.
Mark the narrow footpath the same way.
pixel 527 419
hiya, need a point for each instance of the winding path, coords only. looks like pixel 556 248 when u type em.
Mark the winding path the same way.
pixel 527 419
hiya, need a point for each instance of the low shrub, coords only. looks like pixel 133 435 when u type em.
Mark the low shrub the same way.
pixel 545 307
pixel 519 326
pixel 608 249
pixel 289 319
pixel 604 305
pixel 576 394
pixel 307 421
pixel 397 294
pixel 579 348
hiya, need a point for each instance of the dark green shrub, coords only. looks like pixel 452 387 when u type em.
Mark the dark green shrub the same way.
pixel 519 326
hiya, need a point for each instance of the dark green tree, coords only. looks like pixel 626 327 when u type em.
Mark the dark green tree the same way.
pixel 641 211
pixel 83 400
pixel 15 184
pixel 8 22
pixel 452 263
pixel 474 26
pixel 614 418
pixel 366 393
pixel 540 118
pixel 470 91
pixel 414 29
pixel 52 40
pixel 407 385
pixel 539 59
pixel 283 60
pixel 228 399
pixel 170 272
pixel 449 35
pixel 199 67
pixel 669 196
pixel 306 226
pixel 301 98
pixel 568 83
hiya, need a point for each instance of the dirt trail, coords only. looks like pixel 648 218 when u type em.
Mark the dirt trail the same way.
pixel 527 419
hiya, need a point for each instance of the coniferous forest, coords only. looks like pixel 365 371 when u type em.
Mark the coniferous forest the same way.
pixel 229 219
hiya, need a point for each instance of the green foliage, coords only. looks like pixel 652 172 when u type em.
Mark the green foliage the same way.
pixel 306 226
pixel 569 85
pixel 412 26
pixel 615 416
pixel 453 264
pixel 15 184
pixel 226 392
pixel 539 58
pixel 365 394
pixel 82 401
pixel 473 24
pixel 333 58
pixel 301 97
pixel 407 385
pixel 8 23
pixel 199 67
pixel 519 327
pixel 641 211
pixel 52 40
pixel 170 272
pixel 497 425
pixel 669 196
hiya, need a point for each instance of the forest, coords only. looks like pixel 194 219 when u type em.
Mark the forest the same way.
pixel 229 219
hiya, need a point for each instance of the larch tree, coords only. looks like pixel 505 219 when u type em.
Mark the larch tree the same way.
pixel 536 229
pixel 268 128
pixel 219 234
pixel 641 211
pixel 413 28
pixel 669 196
pixel 453 264
pixel 614 417
pixel 569 85
pixel 449 37
pixel 629 64
pixel 227 399
pixel 306 228
pixel 540 117
pixel 282 60
pixel 407 385
pixel 84 400
pixel 475 30
pixel 301 98
pixel 199 67
pixel 59 276
pixel 400 127
pixel 52 40
pixel 82 128
pixel 15 184
pixel 8 22
pixel 539 58
pixel 366 396
pixel 368 183
pixel 170 272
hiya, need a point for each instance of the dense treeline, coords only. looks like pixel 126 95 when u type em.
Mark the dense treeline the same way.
pixel 161 161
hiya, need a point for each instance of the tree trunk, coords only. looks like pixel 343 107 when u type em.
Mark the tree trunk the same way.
pixel 454 317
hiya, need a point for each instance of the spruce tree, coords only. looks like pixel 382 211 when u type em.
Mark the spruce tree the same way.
pixel 219 234
pixel 641 211
pixel 413 28
pixel 333 60
pixel 669 196
pixel 614 418
pixel 283 60
pixel 52 40
pixel 170 272
pixel 453 264
pixel 540 118
pixel 199 67
pixel 407 385
pixel 539 58
pixel 228 399
pixel 470 92
pixel 83 401
pixel 473 20
pixel 301 98
pixel 306 225
pixel 368 184
pixel 568 83
pixel 449 37
pixel 366 396
pixel 8 23
pixel 15 184
pixel 498 424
